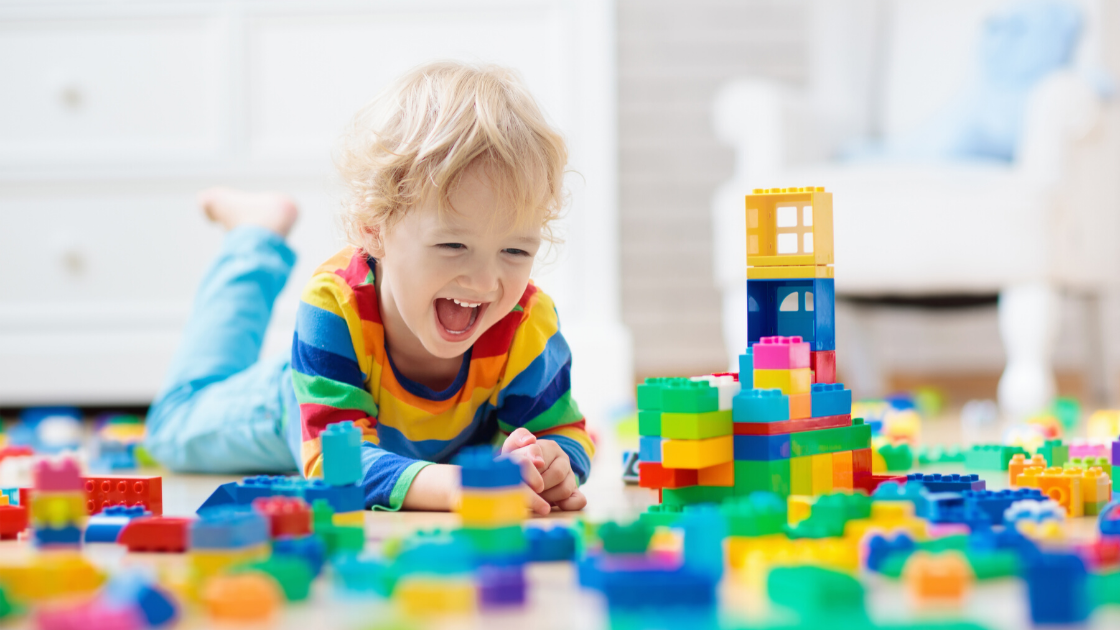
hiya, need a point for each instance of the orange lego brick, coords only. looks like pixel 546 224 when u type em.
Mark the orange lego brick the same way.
pixel 842 471
pixel 1019 463
pixel 944 577
pixel 718 475
pixel 800 406
pixel 1064 488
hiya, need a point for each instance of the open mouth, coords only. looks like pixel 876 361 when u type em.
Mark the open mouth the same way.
pixel 457 319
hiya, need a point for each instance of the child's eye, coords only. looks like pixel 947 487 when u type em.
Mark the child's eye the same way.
pixel 451 245
pixel 516 252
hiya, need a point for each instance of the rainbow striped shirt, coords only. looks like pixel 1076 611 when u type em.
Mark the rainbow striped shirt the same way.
pixel 516 375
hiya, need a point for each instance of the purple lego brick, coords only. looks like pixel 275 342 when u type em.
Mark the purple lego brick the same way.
pixel 501 586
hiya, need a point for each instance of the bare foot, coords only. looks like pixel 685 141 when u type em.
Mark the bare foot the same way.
pixel 231 208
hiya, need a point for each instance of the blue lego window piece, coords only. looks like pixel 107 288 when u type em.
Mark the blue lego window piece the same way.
pixel 831 399
pixel 12 494
pixel 760 405
pixel 1109 520
pixel 342 459
pixel 649 448
pixel 228 527
pixel 106 525
pixel 1057 588
pixel 550 544
pixel 746 369
pixel 761 447
pixel 948 483
pixel 481 470
pixel 994 503
pixel 794 307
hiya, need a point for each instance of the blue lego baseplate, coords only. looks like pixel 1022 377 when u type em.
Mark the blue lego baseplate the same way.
pixel 341 498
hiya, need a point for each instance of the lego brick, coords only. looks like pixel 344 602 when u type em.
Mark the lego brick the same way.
pixel 423 597
pixel 746 370
pixel 718 475
pixel 696 494
pixel 493 508
pixel 1116 452
pixel 821 441
pixel 688 397
pixel 789 227
pixel 649 448
pixel 228 527
pixel 801 406
pixel 1096 490
pixel 761 447
pixel 106 526
pixel 56 476
pixel 947 483
pixel 662 515
pixel 657 476
pixel 1054 452
pixel 481 470
pixel 1082 450
pixel 647 581
pixel 649 423
pixel 342 459
pixel 801 475
pixel 162 534
pixel 129 491
pixel 791 426
pixel 822 473
pixel 494 540
pixel 842 471
pixel 760 405
pixel 46 537
pixel 649 392
pixel 896 457
pixel 793 381
pixel 697 454
pixel 991 456
pixel 728 385
pixel 632 537
pixel 861 466
pixel 1018 463
pixel 869 483
pixel 1063 488
pixel 13 520
pixel 801 308
pixel 287 516
pixel 823 366
pixel 550 544
pixel 501 586
pixel 995 503
pixel 831 399
pixel 780 353
pixel 791 273
pixel 1086 463
pixel 1057 588
pixel 58 509
pixel 292 575
pixel 695 426
pixel 11 494
pixel 755 515
pixel 762 476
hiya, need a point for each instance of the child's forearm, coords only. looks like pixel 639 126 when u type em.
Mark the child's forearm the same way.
pixel 434 488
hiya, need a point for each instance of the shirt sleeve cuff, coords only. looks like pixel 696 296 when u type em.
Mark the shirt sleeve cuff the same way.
pixel 400 489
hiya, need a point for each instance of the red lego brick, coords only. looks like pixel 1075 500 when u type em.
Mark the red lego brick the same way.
pixel 13 520
pixel 25 496
pixel 861 467
pixel 654 475
pixel 103 492
pixel 822 363
pixel 791 426
pixel 287 516
pixel 869 483
pixel 163 534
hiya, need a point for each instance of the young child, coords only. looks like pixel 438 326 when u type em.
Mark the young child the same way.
pixel 425 332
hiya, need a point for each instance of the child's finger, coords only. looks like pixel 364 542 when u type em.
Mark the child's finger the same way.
pixel 519 438
pixel 537 504
pixel 560 468
pixel 529 473
pixel 573 503
pixel 562 490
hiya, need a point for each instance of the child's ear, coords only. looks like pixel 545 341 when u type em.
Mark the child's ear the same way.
pixel 374 243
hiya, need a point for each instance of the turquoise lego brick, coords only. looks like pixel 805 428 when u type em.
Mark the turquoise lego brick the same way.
pixel 760 405
pixel 689 397
pixel 649 423
pixel 1055 453
pixel 696 494
pixel 830 399
pixel 649 392
pixel 757 514
pixel 342 453
pixel 855 437
pixel 746 369
pixel 991 456
pixel 762 476
pixel 625 537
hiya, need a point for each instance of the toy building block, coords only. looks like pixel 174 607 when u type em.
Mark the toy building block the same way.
pixel 1057 588
pixel 228 528
pixel 1096 490
pixel 494 508
pixel 654 475
pixel 1064 489
pixel 1029 477
pixel 1084 449
pixel 991 456
pixel 695 426
pixel 649 423
pixel 728 385
pixel 629 538
pixel 481 470
pixel 800 406
pixel 947 483
pixel 1085 463
pixel 718 475
pixel 649 449
pixel 1116 452
pixel 822 473
pixel 689 397
pixel 994 504
pixel 287 516
pixel 780 353
pixel 803 308
pixel 692 495
pixel 790 382
pixel 649 392
pixel 1054 452
pixel 823 366
pixel 697 454
pixel 630 461
pixel 58 509
pixel 102 492
pixel 56 476
pixel 790 273
pixel 746 370
pixel 249 598
pixel 13 520
pixel 861 463
pixel 501 586
pixel 342 459
pixel 551 544
pixel 760 405
pixel 163 534
pixel 842 471
pixel 292 575
pixel 831 399
pixel 896 457
pixel 943 577
pixel 801 475
pixel 834 440
pixel 762 476
pixel 791 426
pixel 60 537
pixel 868 483
pixel 106 526
pixel 1018 463
pixel 789 227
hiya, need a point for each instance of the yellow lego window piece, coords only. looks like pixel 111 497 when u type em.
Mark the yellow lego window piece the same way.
pixel 790 227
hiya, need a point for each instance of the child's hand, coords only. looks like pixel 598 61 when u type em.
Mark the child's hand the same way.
pixel 546 470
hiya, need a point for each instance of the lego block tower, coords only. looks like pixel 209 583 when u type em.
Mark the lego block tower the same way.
pixel 782 424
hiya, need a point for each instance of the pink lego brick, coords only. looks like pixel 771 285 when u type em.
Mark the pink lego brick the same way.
pixel 1089 450
pixel 62 475
pixel 781 353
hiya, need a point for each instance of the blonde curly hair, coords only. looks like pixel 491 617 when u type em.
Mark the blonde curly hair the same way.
pixel 421 134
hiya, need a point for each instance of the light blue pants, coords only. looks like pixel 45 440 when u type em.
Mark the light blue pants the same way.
pixel 222 409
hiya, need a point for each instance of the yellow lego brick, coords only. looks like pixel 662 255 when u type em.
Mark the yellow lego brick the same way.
pixel 424 596
pixel 205 564
pixel 789 227
pixel 1096 486
pixel 349 519
pixel 790 273
pixel 799 507
pixel 1028 478
pixel 801 475
pixel 696 454
pixel 822 473
pixel 796 381
pixel 740 548
pixel 58 509
pixel 1064 488
pixel 888 516
pixel 3 500
pixel 503 507
pixel 48 576
pixel 756 556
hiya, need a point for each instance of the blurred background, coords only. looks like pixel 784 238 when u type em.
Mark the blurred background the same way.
pixel 972 148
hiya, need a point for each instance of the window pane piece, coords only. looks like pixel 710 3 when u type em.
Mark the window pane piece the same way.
pixel 787 243
pixel 787 216
pixel 790 303
pixel 808 249
pixel 752 218
pixel 808 300
pixel 807 216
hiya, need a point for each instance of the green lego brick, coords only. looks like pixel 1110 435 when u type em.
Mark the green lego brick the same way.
pixel 761 476
pixel 689 397
pixel 661 515
pixel 649 423
pixel 898 457
pixel 292 574
pixel 818 594
pixel 1085 463
pixel 695 426
pixel 759 514
pixel 494 540
pixel 806 443
pixel 991 456
pixel 649 392
pixel 1094 508
pixel 696 494
pixel 625 537
pixel 941 455
pixel 829 515
pixel 801 475
pixel 1055 453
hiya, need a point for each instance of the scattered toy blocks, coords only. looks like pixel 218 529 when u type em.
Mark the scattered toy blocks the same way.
pixel 103 492
pixel 160 534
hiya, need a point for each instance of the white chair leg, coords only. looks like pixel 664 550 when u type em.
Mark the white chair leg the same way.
pixel 855 351
pixel 1028 323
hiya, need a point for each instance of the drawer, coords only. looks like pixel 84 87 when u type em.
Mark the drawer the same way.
pixel 97 90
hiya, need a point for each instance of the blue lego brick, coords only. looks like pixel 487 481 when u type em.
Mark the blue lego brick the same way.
pixel 481 470
pixel 995 503
pixel 228 528
pixel 106 525
pixel 831 399
pixel 760 405
pixel 948 483
pixel 1109 520
pixel 342 459
pixel 137 589
pixel 342 498
pixel 880 548
pixel 657 586
pixel 550 544
pixel 1057 588
pixel 746 369
pixel 802 443
pixel 65 536
pixel 349 498
pixel 783 307
pixel 704 530
pixel 310 549
pixel 944 507
pixel 649 448
pixel 755 448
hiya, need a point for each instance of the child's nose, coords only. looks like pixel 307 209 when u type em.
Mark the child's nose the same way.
pixel 481 278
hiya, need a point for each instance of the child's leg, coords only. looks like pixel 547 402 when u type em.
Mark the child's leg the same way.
pixel 220 410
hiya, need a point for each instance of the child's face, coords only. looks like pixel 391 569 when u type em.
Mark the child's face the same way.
pixel 453 278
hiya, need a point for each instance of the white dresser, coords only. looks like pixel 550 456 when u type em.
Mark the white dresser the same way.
pixel 112 115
